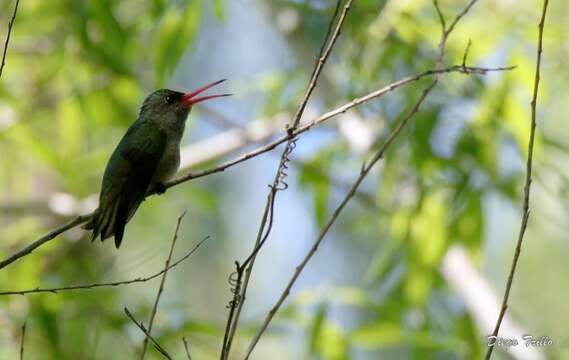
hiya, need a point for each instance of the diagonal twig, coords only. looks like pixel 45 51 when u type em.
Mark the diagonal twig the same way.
pixel 10 26
pixel 527 187
pixel 161 287
pixel 140 325
pixel 364 172
pixel 279 182
pixel 22 341
pixel 186 348
pixel 108 284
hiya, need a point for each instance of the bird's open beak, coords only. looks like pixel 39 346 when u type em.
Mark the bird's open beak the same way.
pixel 190 99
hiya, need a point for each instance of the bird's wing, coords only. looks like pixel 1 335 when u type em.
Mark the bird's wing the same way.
pixel 127 179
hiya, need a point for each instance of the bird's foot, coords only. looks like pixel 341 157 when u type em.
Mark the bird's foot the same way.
pixel 159 188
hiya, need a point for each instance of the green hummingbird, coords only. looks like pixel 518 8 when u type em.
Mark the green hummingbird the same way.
pixel 147 156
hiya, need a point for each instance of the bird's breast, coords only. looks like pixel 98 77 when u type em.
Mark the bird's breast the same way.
pixel 168 164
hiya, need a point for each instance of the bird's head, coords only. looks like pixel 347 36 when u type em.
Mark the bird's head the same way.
pixel 174 106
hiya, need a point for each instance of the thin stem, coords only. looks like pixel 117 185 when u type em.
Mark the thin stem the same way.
pixel 161 287
pixel 187 348
pixel 140 325
pixel 10 26
pixel 22 341
pixel 108 284
pixel 527 187
pixel 365 171
pixel 279 182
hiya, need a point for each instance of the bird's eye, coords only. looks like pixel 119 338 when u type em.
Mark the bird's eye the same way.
pixel 169 100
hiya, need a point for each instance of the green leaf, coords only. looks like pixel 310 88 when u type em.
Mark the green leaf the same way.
pixel 177 31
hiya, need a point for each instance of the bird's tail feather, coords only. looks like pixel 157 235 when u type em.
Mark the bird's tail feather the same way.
pixel 104 221
pixel 111 218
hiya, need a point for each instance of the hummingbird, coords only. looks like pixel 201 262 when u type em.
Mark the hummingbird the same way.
pixel 147 156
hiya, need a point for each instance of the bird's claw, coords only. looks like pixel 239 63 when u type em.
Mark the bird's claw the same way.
pixel 159 188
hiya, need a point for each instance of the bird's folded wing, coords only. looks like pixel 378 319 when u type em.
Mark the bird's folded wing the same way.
pixel 128 177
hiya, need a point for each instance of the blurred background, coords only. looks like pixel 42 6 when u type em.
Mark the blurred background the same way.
pixel 414 266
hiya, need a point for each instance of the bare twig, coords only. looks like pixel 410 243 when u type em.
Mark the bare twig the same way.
pixel 328 115
pixel 22 341
pixel 265 148
pixel 50 236
pixel 109 284
pixel 466 51
pixel 10 26
pixel 365 170
pixel 480 299
pixel 527 187
pixel 140 325
pixel 446 31
pixel 279 182
pixel 161 288
pixel 363 173
pixel 187 348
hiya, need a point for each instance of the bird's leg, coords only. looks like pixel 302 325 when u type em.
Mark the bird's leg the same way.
pixel 159 188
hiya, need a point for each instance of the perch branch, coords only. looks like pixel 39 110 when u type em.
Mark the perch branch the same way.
pixel 265 148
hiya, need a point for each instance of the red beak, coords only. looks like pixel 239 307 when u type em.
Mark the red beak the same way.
pixel 190 99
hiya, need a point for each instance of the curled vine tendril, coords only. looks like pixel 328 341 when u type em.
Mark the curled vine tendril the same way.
pixel 281 183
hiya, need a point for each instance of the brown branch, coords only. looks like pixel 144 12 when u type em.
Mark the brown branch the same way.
pixel 364 172
pixel 10 26
pixel 446 31
pixel 279 182
pixel 22 341
pixel 265 148
pixel 109 284
pixel 186 347
pixel 527 187
pixel 50 236
pixel 140 325
pixel 161 288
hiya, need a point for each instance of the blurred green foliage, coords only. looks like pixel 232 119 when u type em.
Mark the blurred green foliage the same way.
pixel 76 73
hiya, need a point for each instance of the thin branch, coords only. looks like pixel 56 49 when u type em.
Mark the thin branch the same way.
pixel 446 31
pixel 466 52
pixel 279 182
pixel 187 348
pixel 222 121
pixel 364 172
pixel 460 16
pixel 328 115
pixel 527 187
pixel 161 288
pixel 140 325
pixel 22 341
pixel 109 284
pixel 441 16
pixel 265 148
pixel 325 50
pixel 10 26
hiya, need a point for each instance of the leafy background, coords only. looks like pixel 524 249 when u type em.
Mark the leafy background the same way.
pixel 76 73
